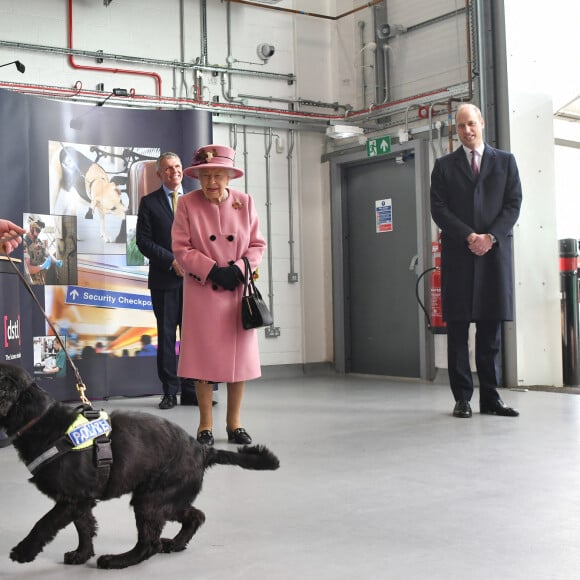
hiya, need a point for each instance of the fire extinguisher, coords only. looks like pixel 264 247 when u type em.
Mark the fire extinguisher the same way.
pixel 437 324
pixel 434 317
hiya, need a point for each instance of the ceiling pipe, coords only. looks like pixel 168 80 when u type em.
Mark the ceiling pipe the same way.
pixel 303 13
pixel 314 119
pixel 289 78
pixel 73 64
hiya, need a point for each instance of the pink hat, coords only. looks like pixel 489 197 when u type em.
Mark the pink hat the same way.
pixel 210 156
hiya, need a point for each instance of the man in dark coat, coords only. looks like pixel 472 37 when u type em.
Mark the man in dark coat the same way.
pixel 476 196
pixel 154 221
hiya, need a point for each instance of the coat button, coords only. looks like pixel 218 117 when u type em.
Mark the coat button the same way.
pixel 230 238
pixel 212 238
pixel 214 286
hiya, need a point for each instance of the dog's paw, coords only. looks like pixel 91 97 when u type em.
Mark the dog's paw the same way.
pixel 22 554
pixel 110 562
pixel 77 557
pixel 168 545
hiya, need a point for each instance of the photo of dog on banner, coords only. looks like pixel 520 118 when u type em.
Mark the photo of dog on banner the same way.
pixel 92 182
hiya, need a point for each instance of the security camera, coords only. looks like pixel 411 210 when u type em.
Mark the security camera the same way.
pixel 383 31
pixel 265 51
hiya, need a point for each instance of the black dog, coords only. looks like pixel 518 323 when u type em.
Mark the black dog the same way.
pixel 154 459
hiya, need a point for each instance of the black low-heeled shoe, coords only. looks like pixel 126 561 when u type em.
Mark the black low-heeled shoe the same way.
pixel 239 436
pixel 205 437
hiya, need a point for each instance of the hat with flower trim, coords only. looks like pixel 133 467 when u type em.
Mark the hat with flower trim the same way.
pixel 216 157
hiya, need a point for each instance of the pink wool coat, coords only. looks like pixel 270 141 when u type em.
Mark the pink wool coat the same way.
pixel 214 345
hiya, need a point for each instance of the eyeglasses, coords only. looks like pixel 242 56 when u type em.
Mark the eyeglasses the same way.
pixel 210 176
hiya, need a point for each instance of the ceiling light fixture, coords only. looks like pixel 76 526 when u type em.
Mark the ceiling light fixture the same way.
pixel 21 68
pixel 116 93
pixel 343 131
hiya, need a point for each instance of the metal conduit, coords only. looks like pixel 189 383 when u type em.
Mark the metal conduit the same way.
pixel 298 101
pixel 289 78
pixel 203 35
pixel 182 47
pixel 292 275
pixel 361 27
pixel 271 331
pixel 246 176
pixel 227 92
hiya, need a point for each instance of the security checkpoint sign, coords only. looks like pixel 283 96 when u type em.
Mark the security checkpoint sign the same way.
pixel 384 215
pixel 107 298
pixel 379 146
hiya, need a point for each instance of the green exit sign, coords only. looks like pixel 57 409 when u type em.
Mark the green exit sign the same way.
pixel 378 146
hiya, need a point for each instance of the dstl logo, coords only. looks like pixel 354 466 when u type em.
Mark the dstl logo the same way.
pixel 11 330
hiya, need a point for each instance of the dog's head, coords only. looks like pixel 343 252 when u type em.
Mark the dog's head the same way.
pixel 13 381
pixel 105 195
pixel 107 198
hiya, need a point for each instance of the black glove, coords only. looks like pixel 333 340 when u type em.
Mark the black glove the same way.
pixel 228 277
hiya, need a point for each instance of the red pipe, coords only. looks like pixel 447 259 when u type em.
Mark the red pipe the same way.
pixel 40 89
pixel 72 63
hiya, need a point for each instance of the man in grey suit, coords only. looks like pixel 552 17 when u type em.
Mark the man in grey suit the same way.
pixel 476 196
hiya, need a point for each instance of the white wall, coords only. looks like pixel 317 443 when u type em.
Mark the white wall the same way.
pixel 567 183
pixel 539 353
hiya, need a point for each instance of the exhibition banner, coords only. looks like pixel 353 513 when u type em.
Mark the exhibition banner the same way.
pixel 73 177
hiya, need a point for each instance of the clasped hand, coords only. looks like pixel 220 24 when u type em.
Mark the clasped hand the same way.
pixel 479 244
pixel 227 277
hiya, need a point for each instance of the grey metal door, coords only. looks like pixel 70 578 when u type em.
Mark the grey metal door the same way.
pixel 381 242
pixel 382 314
pixel 379 327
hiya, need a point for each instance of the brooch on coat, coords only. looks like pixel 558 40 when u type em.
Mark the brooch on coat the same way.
pixel 237 204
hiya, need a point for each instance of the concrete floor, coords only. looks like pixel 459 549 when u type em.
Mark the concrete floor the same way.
pixel 377 481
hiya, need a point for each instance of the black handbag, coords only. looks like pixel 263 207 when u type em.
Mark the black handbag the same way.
pixel 255 313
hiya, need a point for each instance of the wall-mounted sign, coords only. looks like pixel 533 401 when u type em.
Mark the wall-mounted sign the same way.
pixel 379 146
pixel 384 215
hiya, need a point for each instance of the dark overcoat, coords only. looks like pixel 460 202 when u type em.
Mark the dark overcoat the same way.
pixel 476 287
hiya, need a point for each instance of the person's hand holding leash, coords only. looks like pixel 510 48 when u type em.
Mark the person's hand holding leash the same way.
pixel 10 236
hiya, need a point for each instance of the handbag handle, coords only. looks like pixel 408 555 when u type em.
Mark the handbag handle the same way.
pixel 249 287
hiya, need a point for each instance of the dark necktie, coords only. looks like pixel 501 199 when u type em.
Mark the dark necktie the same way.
pixel 474 167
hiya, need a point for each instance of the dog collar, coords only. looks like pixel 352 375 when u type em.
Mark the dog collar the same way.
pixel 8 440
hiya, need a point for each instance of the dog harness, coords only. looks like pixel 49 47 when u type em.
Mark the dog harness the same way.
pixel 91 428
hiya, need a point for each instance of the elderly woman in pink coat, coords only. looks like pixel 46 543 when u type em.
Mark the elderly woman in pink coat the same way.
pixel 214 228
